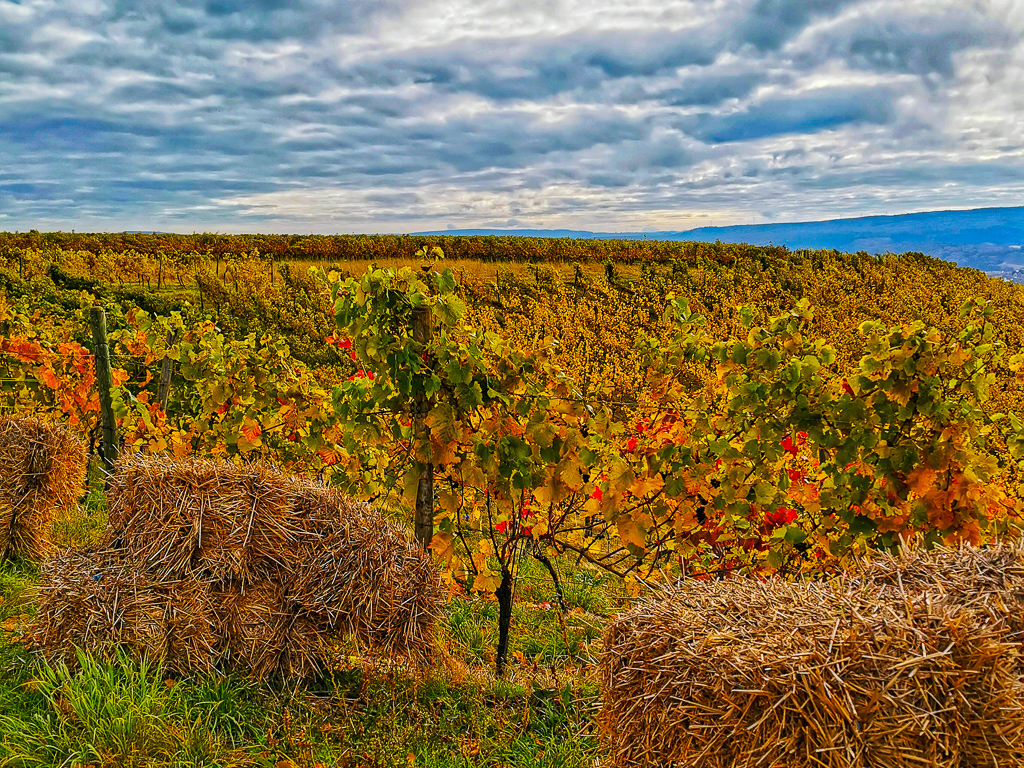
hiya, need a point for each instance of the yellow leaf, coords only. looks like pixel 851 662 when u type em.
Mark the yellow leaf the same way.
pixel 472 475
pixel 442 544
pixel 410 484
pixel 551 492
pixel 621 477
pixel 448 501
pixel 645 485
pixel 486 582
pixel 544 494
pixel 959 356
pixel 571 476
pixel 631 532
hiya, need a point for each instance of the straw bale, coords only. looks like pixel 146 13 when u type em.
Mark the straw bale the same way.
pixel 91 599
pixel 742 673
pixel 94 599
pixel 190 517
pixel 265 635
pixel 989 579
pixel 319 509
pixel 240 569
pixel 362 575
pixel 191 641
pixel 42 473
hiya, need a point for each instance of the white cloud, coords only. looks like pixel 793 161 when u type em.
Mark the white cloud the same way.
pixel 594 114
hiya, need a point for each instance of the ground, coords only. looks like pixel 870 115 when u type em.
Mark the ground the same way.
pixel 358 714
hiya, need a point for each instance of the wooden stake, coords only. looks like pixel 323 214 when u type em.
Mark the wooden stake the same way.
pixel 424 523
pixel 166 365
pixel 104 380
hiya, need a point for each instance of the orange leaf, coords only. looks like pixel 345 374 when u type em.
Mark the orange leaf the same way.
pixel 49 378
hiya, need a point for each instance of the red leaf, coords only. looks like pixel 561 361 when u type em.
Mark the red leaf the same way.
pixel 782 516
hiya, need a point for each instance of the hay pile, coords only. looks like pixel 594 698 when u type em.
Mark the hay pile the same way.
pixel 94 598
pixel 247 570
pixel 361 576
pixel 742 673
pixel 42 473
pixel 990 580
pixel 200 518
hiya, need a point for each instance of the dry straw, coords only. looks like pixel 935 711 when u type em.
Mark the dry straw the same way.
pixel 240 568
pixel 743 673
pixel 265 635
pixel 990 580
pixel 95 599
pixel 42 473
pixel 191 517
pixel 361 574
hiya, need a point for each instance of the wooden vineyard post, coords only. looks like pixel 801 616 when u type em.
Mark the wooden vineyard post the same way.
pixel 424 521
pixel 164 388
pixel 104 380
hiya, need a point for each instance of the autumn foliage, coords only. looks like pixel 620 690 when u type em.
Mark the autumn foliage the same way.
pixel 649 430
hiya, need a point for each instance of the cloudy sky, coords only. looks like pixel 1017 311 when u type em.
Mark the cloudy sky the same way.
pixel 402 115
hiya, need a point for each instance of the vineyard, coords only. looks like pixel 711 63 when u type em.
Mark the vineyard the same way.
pixel 566 426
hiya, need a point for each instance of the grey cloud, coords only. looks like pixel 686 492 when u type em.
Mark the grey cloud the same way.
pixel 770 23
pixel 505 70
pixel 161 122
pixel 710 89
pixel 966 174
pixel 901 41
pixel 806 113
pixel 250 20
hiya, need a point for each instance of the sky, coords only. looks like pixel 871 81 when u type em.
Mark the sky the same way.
pixel 407 115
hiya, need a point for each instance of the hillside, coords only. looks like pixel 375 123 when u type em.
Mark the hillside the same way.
pixel 598 423
pixel 988 239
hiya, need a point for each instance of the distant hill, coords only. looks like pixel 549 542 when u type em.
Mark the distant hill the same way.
pixel 989 239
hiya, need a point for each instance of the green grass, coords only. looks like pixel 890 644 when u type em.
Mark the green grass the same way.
pixel 128 713
pixel 122 713
pixel 84 527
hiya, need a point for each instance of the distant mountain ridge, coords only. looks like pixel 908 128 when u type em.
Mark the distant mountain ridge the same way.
pixel 988 239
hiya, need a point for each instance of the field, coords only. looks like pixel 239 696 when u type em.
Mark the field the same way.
pixel 614 414
pixel 129 714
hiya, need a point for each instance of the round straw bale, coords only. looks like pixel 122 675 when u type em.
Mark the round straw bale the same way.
pixel 42 473
pixel 989 579
pixel 743 673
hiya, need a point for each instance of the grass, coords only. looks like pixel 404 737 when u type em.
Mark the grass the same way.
pixel 122 713
pixel 129 713
pixel 85 525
